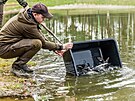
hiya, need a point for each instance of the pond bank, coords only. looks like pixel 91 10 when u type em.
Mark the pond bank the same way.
pixel 80 6
pixel 12 86
pixel 88 6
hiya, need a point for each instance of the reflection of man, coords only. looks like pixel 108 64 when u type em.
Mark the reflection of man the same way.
pixel 2 2
pixel 21 37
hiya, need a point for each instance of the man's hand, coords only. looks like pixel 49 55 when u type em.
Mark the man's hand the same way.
pixel 66 47
pixel 60 52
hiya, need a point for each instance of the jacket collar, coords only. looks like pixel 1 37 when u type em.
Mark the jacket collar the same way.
pixel 29 11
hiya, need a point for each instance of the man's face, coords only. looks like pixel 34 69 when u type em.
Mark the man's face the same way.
pixel 39 17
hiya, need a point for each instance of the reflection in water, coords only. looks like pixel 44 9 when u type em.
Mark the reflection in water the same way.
pixel 99 26
pixel 50 74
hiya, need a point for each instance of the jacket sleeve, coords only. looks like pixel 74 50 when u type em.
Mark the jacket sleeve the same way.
pixel 32 32
pixel 22 3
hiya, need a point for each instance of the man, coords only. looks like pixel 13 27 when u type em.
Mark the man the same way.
pixel 2 2
pixel 21 37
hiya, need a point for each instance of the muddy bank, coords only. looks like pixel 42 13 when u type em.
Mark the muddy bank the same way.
pixel 12 86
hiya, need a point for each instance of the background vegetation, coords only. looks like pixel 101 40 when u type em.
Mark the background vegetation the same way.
pixel 62 2
pixel 13 4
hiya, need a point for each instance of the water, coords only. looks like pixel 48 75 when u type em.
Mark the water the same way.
pixel 118 85
pixel 115 85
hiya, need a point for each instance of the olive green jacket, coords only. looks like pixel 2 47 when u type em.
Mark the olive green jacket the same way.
pixel 22 26
pixel 21 2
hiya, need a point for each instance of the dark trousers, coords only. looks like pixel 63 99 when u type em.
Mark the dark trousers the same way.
pixel 24 50
pixel 1 13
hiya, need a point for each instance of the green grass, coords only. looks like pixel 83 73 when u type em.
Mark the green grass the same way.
pixel 13 4
pixel 108 2
pixel 62 2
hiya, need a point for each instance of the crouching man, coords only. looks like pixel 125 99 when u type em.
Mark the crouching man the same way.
pixel 21 37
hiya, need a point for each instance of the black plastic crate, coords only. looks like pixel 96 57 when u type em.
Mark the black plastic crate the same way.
pixel 92 54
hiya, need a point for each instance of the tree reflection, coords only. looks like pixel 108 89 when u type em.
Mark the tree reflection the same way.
pixel 98 26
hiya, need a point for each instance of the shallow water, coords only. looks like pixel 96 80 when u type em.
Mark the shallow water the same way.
pixel 118 85
pixel 56 85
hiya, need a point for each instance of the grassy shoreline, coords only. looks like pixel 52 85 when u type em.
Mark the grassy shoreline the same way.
pixel 13 7
pixel 97 2
pixel 13 4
